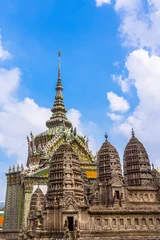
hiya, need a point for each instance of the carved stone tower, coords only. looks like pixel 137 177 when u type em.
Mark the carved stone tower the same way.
pixel 109 173
pixel 65 175
pixel 65 188
pixel 137 169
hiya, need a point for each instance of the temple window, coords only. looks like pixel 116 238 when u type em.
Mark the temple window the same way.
pixel 136 221
pixel 121 221
pixel 98 221
pixel 158 221
pixel 114 221
pixel 151 221
pixel 129 221
pixel 143 221
pixel 106 221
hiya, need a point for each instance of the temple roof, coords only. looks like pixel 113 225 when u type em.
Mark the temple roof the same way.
pixel 42 146
pixel 135 144
pixel 107 147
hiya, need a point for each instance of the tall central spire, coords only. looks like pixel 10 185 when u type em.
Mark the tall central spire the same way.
pixel 58 117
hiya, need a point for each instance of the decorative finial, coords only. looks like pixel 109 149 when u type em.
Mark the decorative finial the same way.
pixel 28 139
pixel 18 168
pixel 13 168
pixel 31 134
pixel 87 141
pixel 75 132
pixel 106 136
pixel 152 166
pixel 63 126
pixel 22 168
pixel 10 170
pixel 59 53
pixel 133 133
pixel 59 68
pixel 72 129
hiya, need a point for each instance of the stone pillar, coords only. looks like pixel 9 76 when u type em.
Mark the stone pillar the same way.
pixel 28 188
pixel 7 203
pixel 12 200
pixel 21 207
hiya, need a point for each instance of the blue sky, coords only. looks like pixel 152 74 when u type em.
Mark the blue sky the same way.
pixel 110 56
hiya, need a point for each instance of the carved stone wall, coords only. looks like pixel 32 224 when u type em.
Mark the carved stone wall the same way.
pixel 143 196
pixel 12 201
pixel 28 188
pixel 124 222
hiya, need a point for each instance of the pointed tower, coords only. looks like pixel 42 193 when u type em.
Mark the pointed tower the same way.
pixel 65 175
pixel 65 194
pixel 110 175
pixel 109 165
pixel 137 169
pixel 58 117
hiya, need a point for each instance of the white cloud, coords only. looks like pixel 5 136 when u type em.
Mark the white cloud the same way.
pixel 123 83
pixel 117 103
pixel 3 53
pixel 126 5
pixel 9 81
pixel 140 28
pixel 101 2
pixel 114 117
pixel 145 70
pixel 17 119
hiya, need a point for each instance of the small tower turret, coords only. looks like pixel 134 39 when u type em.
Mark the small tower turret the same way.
pixel 109 175
pixel 137 169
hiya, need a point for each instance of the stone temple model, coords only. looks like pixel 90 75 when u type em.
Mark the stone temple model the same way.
pixel 67 193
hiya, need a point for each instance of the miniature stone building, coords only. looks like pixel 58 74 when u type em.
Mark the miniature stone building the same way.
pixel 86 197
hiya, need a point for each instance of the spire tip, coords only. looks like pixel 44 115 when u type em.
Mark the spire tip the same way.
pixel 106 136
pixel 59 53
pixel 59 70
pixel 133 133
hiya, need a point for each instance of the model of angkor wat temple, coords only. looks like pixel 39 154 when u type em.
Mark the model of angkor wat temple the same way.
pixel 67 193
